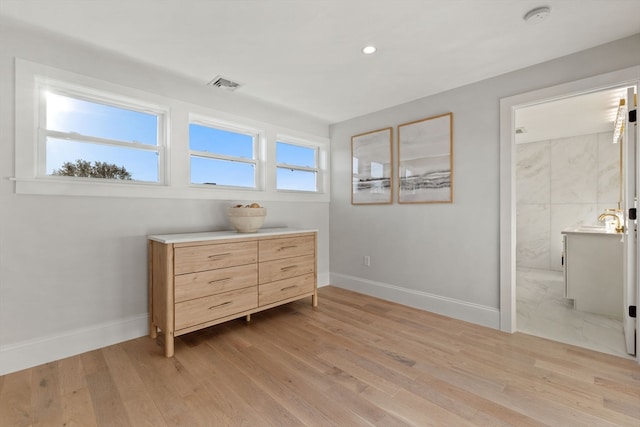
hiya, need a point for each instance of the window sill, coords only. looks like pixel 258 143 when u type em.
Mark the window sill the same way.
pixel 43 186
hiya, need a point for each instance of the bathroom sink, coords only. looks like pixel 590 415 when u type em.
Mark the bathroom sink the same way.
pixel 593 227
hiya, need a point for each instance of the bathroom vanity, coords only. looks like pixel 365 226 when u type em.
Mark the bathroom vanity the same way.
pixel 593 270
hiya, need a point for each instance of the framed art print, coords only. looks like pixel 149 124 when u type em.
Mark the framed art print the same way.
pixel 372 169
pixel 425 160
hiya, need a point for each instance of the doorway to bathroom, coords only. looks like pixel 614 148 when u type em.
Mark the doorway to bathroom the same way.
pixel 565 170
pixel 568 172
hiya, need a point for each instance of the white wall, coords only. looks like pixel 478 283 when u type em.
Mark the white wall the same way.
pixel 73 270
pixel 562 183
pixel 445 257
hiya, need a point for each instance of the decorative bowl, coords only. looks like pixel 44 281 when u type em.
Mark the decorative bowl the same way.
pixel 245 219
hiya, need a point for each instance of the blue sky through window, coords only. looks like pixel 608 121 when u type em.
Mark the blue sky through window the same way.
pixel 66 114
pixel 78 118
pixel 220 142
pixel 296 155
pixel 141 164
pixel 291 179
pixel 222 172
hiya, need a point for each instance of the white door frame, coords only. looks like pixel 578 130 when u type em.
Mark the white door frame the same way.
pixel 508 107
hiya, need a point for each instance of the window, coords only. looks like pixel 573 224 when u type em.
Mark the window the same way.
pixel 297 167
pixel 76 135
pixel 84 134
pixel 223 155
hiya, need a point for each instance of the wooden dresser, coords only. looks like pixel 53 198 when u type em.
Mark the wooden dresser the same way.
pixel 198 280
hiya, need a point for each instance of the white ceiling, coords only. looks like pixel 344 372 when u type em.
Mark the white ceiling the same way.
pixel 584 114
pixel 305 54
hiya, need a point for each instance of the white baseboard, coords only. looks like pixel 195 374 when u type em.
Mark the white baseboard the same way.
pixel 462 310
pixel 27 354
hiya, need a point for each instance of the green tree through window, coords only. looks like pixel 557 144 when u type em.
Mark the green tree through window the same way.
pixel 85 169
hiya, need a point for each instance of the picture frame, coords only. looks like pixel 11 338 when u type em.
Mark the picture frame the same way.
pixel 425 160
pixel 372 167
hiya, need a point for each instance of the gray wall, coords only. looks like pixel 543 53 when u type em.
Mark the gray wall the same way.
pixel 73 270
pixel 445 257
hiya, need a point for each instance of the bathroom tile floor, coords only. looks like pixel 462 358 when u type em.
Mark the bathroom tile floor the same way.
pixel 544 312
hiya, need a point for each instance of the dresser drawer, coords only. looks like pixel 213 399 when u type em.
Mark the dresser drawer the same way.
pixel 284 268
pixel 202 310
pixel 284 289
pixel 286 247
pixel 210 282
pixel 192 259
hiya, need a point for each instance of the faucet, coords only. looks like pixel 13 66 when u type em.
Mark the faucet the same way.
pixel 619 226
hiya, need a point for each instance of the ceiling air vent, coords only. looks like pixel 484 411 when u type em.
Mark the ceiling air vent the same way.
pixel 224 83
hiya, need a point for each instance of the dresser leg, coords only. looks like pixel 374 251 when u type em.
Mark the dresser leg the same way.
pixel 314 299
pixel 248 318
pixel 168 345
pixel 153 331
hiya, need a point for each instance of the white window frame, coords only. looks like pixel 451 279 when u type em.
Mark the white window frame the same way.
pixel 174 167
pixel 318 169
pixel 30 77
pixel 100 97
pixel 257 150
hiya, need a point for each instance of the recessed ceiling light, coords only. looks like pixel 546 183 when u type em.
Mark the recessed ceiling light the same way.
pixel 368 50
pixel 537 15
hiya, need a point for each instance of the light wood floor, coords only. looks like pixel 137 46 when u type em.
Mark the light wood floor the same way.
pixel 352 361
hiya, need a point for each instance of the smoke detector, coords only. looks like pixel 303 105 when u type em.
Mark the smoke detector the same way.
pixel 224 83
pixel 537 15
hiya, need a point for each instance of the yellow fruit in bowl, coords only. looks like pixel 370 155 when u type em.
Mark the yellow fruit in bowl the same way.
pixel 251 205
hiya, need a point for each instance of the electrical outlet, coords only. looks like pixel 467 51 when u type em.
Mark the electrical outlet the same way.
pixel 366 260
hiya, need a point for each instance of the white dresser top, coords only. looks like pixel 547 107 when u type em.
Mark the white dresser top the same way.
pixel 222 235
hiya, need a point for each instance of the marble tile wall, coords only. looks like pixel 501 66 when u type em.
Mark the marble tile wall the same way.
pixel 561 183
